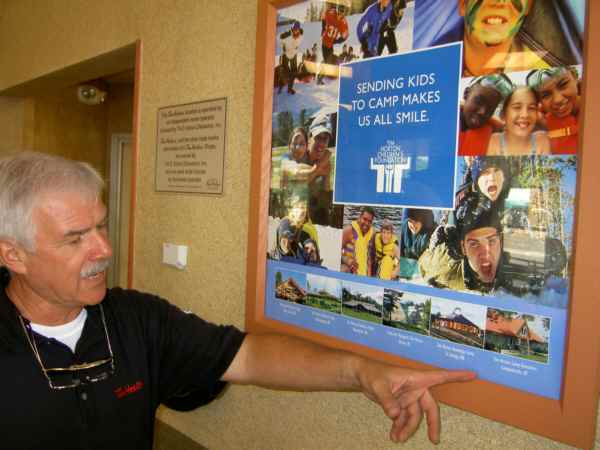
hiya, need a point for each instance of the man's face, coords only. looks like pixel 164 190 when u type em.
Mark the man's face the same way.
pixel 482 248
pixel 365 221
pixel 493 22
pixel 480 104
pixel 559 95
pixel 490 182
pixel 68 267
pixel 384 3
pixel 319 144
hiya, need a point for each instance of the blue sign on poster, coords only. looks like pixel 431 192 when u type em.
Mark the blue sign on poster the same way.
pixel 397 129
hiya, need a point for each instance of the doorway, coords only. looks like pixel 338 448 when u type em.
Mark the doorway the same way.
pixel 119 207
pixel 54 116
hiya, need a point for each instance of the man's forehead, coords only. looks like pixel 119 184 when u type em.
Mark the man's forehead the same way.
pixel 66 206
pixel 481 233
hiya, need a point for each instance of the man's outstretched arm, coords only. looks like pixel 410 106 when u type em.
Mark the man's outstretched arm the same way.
pixel 284 362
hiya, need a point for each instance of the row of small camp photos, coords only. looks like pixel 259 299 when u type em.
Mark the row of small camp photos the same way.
pixel 511 333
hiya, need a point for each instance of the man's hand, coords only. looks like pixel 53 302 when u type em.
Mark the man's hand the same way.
pixel 404 395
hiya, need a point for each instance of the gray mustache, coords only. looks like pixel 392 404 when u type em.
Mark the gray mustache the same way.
pixel 95 268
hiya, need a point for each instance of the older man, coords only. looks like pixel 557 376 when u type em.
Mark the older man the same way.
pixel 86 367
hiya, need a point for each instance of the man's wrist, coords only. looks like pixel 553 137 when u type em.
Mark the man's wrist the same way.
pixel 351 371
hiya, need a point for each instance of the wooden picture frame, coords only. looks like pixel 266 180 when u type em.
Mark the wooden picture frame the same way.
pixel 572 418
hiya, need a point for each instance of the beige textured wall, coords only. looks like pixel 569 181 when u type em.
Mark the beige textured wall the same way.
pixel 197 50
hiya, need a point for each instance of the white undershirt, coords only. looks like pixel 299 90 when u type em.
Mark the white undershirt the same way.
pixel 68 334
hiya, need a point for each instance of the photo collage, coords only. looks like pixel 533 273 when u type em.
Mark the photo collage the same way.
pixel 506 246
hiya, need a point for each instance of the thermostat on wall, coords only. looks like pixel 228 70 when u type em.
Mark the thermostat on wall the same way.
pixel 175 255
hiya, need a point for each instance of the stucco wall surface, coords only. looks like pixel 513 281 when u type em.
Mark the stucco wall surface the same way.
pixel 197 50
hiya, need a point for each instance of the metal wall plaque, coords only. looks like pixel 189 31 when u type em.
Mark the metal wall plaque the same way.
pixel 190 147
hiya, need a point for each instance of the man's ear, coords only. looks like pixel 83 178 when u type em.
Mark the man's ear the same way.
pixel 12 256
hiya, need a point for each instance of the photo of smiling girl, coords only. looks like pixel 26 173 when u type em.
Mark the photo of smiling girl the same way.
pixel 520 114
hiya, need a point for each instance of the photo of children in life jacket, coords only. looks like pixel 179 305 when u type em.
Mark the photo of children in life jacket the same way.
pixel 382 242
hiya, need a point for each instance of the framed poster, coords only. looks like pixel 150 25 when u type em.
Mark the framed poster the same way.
pixel 415 193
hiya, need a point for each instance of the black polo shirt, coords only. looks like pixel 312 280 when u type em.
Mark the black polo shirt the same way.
pixel 159 352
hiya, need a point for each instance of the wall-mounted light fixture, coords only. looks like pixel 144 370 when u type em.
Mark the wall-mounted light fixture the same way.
pixel 90 94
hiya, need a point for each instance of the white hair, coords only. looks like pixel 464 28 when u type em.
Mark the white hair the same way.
pixel 27 175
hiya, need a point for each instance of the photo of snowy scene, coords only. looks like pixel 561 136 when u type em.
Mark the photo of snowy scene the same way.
pixel 309 92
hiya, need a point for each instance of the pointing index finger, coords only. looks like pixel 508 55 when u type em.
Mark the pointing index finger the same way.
pixel 436 377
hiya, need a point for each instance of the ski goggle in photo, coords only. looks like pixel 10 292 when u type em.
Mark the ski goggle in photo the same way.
pixel 536 78
pixel 498 81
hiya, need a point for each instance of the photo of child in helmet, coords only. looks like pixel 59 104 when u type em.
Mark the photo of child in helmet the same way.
pixel 510 232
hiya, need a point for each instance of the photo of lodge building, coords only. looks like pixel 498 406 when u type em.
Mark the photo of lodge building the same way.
pixel 290 290
pixel 456 328
pixel 359 306
pixel 512 335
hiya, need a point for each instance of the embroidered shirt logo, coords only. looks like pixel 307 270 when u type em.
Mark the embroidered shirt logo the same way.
pixel 124 391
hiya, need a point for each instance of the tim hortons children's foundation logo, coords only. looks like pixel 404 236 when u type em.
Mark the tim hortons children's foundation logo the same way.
pixel 390 165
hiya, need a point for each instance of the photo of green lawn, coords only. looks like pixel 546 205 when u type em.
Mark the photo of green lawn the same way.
pixel 323 293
